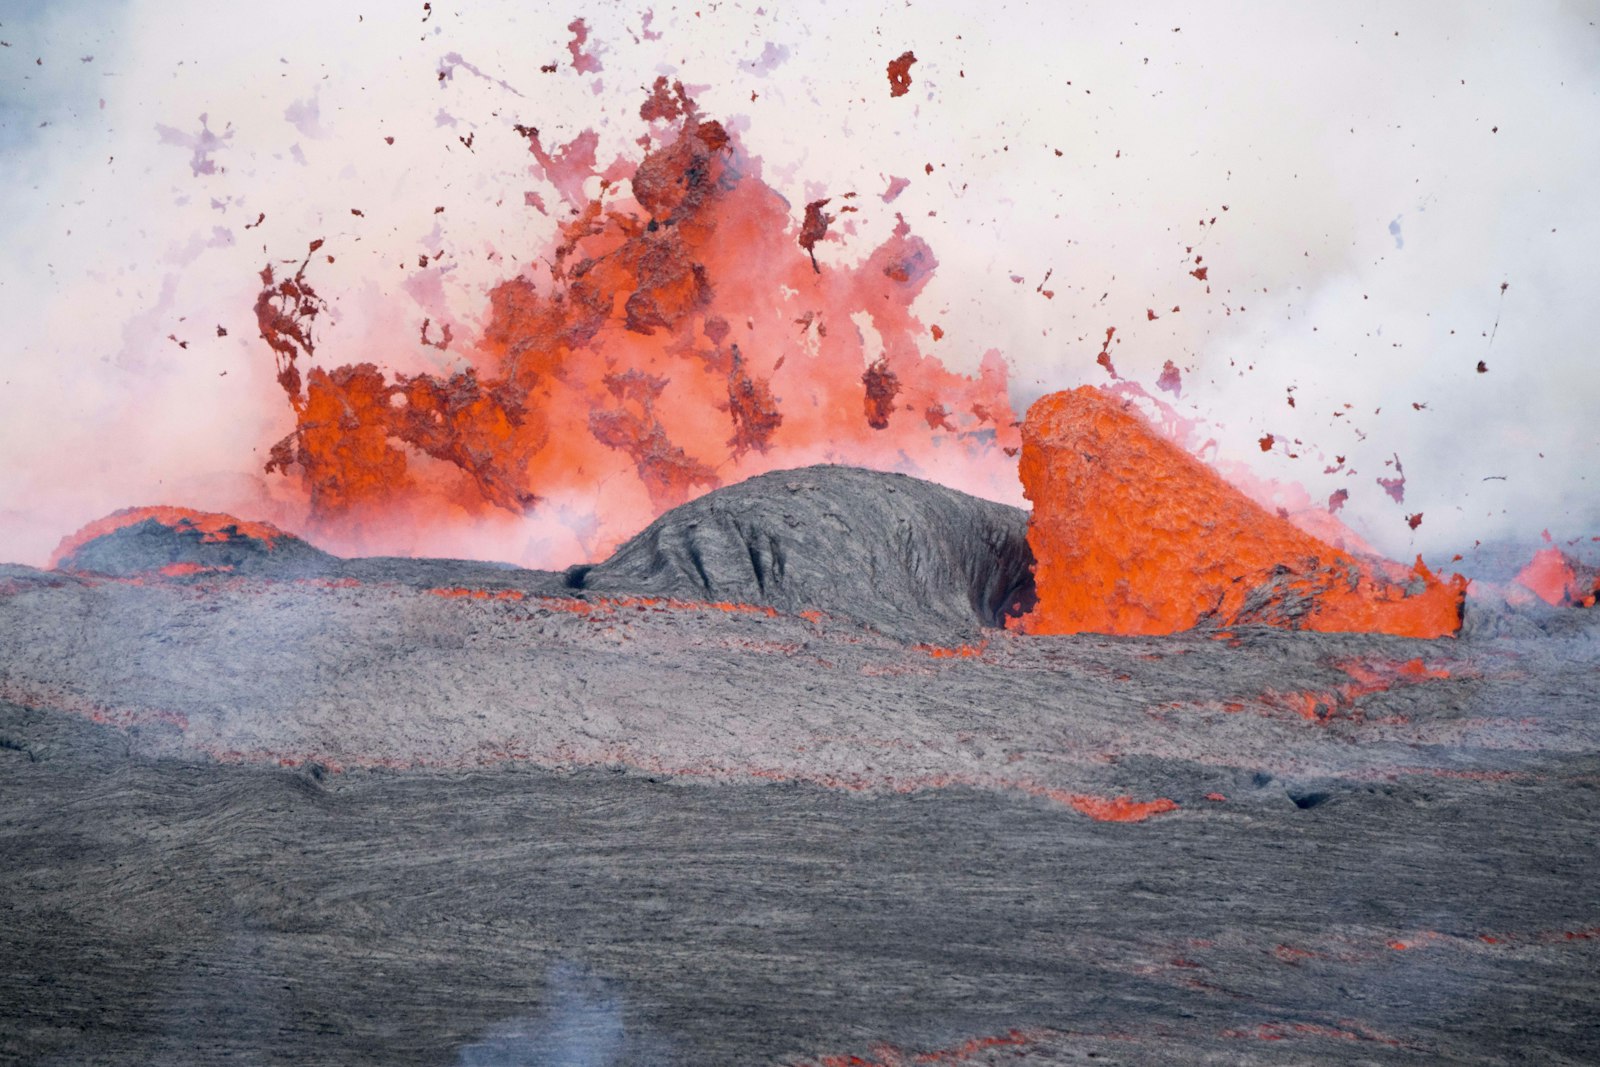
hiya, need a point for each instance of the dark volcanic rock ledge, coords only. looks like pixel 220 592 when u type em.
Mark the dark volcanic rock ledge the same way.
pixel 910 558
pixel 906 556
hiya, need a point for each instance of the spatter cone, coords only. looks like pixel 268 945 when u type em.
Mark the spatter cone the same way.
pixel 175 542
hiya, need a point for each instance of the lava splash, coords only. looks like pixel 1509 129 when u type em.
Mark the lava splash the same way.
pixel 1133 535
pixel 686 336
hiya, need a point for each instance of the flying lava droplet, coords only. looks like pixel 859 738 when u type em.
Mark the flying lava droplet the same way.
pixel 900 74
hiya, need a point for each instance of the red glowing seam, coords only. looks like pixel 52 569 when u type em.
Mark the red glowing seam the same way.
pixel 58 700
pixel 184 570
pixel 883 1055
pixel 956 652
pixel 1119 809
pixel 605 604
pixel 1283 1031
pixel 1507 940
pixel 1369 676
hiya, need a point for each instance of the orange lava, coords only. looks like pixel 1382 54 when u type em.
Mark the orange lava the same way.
pixel 956 652
pixel 1120 809
pixel 184 570
pixel 889 1056
pixel 685 331
pixel 1555 578
pixel 1368 676
pixel 455 593
pixel 212 526
pixel 1133 535
pixel 1378 675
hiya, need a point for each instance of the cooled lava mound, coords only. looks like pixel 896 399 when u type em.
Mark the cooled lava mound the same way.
pixel 175 542
pixel 903 555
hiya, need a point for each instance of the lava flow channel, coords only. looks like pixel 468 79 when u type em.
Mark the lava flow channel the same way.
pixel 1133 535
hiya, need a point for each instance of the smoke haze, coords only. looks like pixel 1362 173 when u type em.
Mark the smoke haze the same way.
pixel 1348 206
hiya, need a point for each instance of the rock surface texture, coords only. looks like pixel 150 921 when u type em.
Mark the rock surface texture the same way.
pixel 422 812
pixel 899 553
pixel 178 541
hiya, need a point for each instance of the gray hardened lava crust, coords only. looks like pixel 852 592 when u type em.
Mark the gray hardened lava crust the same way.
pixel 770 786
pixel 151 545
pixel 903 555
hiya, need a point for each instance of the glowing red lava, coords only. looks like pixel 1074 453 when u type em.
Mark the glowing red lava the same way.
pixel 686 336
pixel 1559 580
pixel 1132 535
pixel 882 1055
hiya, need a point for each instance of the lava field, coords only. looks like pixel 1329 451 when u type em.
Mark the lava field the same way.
pixel 784 781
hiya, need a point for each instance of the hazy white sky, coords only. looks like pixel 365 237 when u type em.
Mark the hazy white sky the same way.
pixel 1376 172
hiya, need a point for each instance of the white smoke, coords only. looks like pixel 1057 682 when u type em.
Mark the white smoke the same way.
pixel 581 1024
pixel 1375 173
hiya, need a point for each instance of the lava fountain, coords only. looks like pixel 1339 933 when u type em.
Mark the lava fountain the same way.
pixel 686 336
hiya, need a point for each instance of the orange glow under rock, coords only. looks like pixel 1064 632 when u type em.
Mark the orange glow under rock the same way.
pixel 1133 535
pixel 1120 809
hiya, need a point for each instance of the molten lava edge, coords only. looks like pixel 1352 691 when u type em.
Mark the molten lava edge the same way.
pixel 207 526
pixel 1133 535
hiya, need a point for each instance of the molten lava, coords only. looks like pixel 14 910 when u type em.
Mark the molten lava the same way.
pixel 1133 535
pixel 686 336
pixel 211 528
pixel 1559 580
